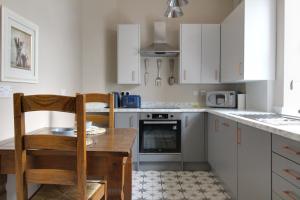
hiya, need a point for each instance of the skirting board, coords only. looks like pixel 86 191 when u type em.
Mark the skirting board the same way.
pixel 172 166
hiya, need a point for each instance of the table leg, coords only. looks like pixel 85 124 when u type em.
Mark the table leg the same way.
pixel 115 179
pixel 128 179
pixel 3 181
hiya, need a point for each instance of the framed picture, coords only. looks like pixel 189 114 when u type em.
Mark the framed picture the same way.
pixel 19 48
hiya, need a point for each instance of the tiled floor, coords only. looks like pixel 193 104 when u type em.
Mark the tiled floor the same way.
pixel 181 185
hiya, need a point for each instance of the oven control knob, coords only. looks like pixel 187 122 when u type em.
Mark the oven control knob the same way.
pixel 148 116
pixel 172 116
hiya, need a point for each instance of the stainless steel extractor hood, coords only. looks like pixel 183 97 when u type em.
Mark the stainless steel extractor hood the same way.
pixel 160 47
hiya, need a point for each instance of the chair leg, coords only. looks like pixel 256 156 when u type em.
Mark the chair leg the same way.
pixel 105 191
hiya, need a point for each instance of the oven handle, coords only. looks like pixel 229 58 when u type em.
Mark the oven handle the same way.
pixel 160 122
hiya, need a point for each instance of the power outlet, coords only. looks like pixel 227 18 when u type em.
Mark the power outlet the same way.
pixel 203 92
pixel 63 91
pixel 195 93
pixel 6 91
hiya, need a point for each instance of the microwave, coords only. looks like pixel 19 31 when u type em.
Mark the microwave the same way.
pixel 221 99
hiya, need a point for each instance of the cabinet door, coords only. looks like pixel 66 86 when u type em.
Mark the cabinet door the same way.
pixel 232 46
pixel 211 44
pixel 191 53
pixel 128 54
pixel 222 151
pixel 193 142
pixel 227 155
pixel 254 164
pixel 129 120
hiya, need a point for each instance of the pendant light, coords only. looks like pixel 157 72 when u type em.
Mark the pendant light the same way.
pixel 174 8
pixel 177 3
pixel 173 12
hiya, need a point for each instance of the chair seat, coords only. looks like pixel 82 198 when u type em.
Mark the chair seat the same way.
pixel 61 192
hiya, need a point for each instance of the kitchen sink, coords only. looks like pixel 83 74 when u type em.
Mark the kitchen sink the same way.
pixel 272 119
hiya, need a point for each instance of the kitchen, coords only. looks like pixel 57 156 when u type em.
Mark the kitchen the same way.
pixel 212 95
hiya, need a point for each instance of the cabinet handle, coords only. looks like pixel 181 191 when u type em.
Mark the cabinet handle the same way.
pixel 292 174
pixel 290 195
pixel 184 75
pixel 292 85
pixel 291 150
pixel 131 122
pixel 216 125
pixel 186 121
pixel 238 136
pixel 133 75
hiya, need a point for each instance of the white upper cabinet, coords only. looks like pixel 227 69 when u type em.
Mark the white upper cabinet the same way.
pixel 190 53
pixel 211 41
pixel 128 54
pixel 199 53
pixel 248 42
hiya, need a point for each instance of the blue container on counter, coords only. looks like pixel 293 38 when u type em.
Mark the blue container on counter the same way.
pixel 131 101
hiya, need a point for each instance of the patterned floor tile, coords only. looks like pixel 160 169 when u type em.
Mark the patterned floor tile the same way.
pixel 168 173
pixel 176 185
pixel 207 180
pixel 157 195
pixel 194 195
pixel 169 179
pixel 171 186
pixel 173 195
pixel 202 173
pixel 211 188
pixel 216 196
pixel 190 186
pixel 188 179
pixel 185 173
pixel 137 195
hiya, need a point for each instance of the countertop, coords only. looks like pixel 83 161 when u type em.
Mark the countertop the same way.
pixel 288 131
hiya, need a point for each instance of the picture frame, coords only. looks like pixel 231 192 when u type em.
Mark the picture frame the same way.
pixel 19 48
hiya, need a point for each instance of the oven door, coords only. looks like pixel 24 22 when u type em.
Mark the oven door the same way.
pixel 160 136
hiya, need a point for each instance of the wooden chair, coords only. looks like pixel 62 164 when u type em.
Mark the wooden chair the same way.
pixel 59 184
pixel 103 119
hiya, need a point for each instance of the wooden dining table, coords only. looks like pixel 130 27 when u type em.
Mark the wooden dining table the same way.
pixel 108 157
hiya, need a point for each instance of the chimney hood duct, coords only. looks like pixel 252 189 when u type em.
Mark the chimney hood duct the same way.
pixel 160 47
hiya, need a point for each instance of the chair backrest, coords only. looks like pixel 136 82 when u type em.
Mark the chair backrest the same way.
pixel 102 119
pixel 42 142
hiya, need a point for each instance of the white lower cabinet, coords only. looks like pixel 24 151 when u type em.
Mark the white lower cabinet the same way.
pixel 129 120
pixel 241 157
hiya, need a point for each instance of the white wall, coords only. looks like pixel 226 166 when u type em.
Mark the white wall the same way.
pixel 59 59
pixel 100 19
pixel 236 2
pixel 259 96
pixel 279 83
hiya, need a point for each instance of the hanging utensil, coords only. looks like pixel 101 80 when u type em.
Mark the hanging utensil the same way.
pixel 146 75
pixel 172 79
pixel 158 79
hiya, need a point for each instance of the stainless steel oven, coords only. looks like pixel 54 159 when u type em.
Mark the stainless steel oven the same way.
pixel 160 133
